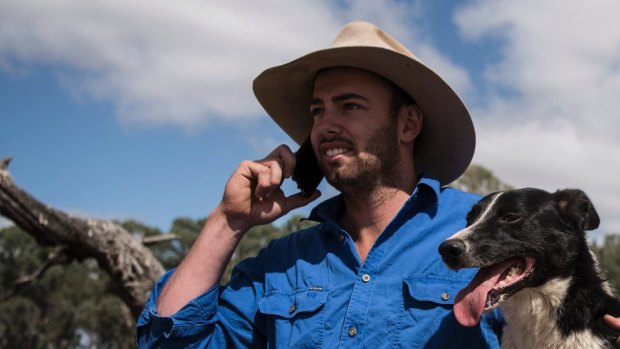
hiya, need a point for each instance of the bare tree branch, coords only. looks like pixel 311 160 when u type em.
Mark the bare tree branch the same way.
pixel 132 267
pixel 158 239
pixel 4 163
pixel 57 256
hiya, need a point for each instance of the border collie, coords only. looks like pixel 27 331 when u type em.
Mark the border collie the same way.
pixel 534 260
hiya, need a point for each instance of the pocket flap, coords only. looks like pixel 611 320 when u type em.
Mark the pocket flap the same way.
pixel 289 304
pixel 441 289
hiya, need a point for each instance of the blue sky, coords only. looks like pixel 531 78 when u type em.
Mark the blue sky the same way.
pixel 142 109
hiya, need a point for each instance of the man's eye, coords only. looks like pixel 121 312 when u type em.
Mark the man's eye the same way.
pixel 351 106
pixel 316 111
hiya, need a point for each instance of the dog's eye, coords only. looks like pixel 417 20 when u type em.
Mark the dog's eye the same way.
pixel 511 218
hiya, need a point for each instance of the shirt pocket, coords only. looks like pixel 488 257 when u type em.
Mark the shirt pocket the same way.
pixel 428 319
pixel 437 289
pixel 295 318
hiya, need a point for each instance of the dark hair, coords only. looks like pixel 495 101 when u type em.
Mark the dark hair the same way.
pixel 399 98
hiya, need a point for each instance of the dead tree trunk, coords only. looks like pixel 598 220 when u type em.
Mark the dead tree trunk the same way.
pixel 132 267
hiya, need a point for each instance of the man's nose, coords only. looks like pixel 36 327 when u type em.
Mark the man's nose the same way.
pixel 327 123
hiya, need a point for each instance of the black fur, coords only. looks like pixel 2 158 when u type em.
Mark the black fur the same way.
pixel 548 227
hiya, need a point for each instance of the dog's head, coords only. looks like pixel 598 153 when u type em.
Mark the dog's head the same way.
pixel 519 238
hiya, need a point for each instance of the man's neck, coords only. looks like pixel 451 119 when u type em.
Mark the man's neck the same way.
pixel 367 214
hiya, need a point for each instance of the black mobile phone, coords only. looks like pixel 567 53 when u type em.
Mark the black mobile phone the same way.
pixel 307 173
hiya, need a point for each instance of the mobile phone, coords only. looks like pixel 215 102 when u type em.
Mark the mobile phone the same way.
pixel 307 173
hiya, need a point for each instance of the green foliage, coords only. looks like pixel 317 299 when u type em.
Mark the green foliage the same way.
pixel 187 231
pixel 68 306
pixel 169 254
pixel 609 258
pixel 479 180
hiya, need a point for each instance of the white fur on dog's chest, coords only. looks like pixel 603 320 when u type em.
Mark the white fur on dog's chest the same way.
pixel 530 320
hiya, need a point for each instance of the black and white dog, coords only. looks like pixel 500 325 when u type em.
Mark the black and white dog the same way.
pixel 534 260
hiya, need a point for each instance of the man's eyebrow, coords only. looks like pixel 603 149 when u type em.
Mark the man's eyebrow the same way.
pixel 340 98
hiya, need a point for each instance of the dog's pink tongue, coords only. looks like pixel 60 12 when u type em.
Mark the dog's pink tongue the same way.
pixel 470 302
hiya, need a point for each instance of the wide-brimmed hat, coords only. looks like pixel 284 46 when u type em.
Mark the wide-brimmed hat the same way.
pixel 446 144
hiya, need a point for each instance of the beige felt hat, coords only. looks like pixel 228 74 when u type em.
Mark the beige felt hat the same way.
pixel 446 144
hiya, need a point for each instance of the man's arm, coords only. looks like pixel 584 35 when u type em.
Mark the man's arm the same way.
pixel 252 197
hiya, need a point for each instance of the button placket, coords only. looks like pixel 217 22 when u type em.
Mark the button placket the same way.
pixel 362 295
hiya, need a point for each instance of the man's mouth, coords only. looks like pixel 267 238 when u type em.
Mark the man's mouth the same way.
pixel 336 151
pixel 332 149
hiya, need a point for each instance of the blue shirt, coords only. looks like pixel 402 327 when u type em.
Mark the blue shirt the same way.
pixel 310 289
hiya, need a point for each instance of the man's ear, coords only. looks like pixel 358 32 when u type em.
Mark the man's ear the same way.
pixel 411 117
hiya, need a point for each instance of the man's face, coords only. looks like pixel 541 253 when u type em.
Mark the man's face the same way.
pixel 354 136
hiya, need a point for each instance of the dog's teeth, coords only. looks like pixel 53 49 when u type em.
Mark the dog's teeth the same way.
pixel 515 270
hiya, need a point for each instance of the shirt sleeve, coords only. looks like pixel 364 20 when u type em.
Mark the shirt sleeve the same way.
pixel 222 317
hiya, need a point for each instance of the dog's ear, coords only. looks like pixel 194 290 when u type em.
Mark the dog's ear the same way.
pixel 575 205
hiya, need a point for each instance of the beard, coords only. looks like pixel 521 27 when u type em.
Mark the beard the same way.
pixel 376 166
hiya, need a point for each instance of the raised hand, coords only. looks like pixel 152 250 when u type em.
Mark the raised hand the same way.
pixel 253 196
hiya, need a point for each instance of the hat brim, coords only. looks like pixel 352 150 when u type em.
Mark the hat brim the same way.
pixel 446 144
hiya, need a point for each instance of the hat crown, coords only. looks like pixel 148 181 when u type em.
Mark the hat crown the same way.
pixel 361 33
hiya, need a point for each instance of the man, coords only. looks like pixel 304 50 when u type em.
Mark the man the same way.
pixel 387 133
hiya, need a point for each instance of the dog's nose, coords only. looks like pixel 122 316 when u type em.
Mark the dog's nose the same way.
pixel 452 248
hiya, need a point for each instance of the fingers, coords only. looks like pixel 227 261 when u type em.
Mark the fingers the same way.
pixel 253 196
pixel 279 164
pixel 299 200
pixel 613 322
pixel 266 175
pixel 285 158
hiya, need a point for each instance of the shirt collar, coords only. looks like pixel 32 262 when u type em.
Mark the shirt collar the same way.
pixel 428 188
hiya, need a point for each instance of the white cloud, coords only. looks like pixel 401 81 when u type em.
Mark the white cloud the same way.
pixel 552 120
pixel 162 61
pixel 554 157
pixel 401 19
pixel 456 76
pixel 186 62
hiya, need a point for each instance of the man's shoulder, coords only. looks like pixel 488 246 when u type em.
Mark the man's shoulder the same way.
pixel 449 194
pixel 452 195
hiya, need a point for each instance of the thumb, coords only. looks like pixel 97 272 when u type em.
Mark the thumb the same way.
pixel 298 200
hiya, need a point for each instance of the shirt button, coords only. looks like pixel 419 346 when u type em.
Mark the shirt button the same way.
pixel 352 331
pixel 445 296
pixel 292 309
pixel 341 238
pixel 365 277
